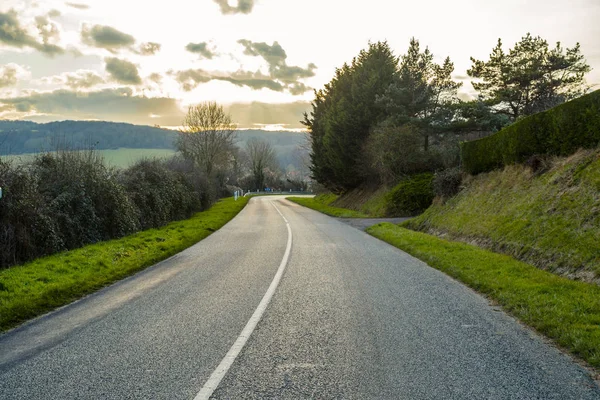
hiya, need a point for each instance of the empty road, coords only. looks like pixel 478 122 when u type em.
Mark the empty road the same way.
pixel 345 317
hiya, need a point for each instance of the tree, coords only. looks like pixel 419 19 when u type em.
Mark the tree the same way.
pixel 343 114
pixel 262 160
pixel 421 93
pixel 207 136
pixel 530 78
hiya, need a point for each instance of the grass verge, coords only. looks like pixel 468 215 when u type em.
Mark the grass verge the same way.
pixel 321 203
pixel 564 310
pixel 550 219
pixel 44 284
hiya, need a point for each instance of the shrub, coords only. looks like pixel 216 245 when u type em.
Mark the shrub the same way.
pixel 27 227
pixel 395 152
pixel 559 131
pixel 83 197
pixel 447 183
pixel 67 199
pixel 159 194
pixel 411 196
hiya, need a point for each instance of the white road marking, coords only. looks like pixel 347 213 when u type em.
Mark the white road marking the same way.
pixel 219 373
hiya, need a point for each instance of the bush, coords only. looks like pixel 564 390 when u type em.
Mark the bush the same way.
pixel 83 197
pixel 559 131
pixel 447 183
pixel 410 197
pixel 392 153
pixel 27 229
pixel 67 199
pixel 159 194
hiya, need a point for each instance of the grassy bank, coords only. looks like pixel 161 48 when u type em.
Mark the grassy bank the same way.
pixel 549 219
pixel 34 288
pixel 564 310
pixel 322 203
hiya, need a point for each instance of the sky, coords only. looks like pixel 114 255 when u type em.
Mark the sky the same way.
pixel 147 62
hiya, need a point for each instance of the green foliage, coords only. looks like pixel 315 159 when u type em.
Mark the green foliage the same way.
pixel 411 196
pixel 318 205
pixel 422 93
pixel 395 152
pixel 160 194
pixel 531 77
pixel 566 311
pixel 447 183
pixel 559 131
pixel 32 289
pixel 343 114
pixel 67 199
pixel 326 198
pixel 550 220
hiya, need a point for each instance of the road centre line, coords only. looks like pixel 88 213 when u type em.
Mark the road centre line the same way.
pixel 219 373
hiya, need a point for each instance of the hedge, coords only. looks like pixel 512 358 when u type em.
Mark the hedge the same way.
pixel 561 131
pixel 410 197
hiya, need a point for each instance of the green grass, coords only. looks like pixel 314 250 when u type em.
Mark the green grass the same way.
pixel 550 220
pixel 39 286
pixel 321 203
pixel 121 157
pixel 564 310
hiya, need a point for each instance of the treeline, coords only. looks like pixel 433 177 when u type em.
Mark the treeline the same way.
pixel 22 137
pixel 383 118
pixel 67 199
pixel 19 137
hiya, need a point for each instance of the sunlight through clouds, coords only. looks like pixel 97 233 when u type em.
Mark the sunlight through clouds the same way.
pixel 251 51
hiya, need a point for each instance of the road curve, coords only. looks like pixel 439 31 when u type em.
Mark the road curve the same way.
pixel 352 318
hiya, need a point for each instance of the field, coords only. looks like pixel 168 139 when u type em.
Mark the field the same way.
pixel 121 158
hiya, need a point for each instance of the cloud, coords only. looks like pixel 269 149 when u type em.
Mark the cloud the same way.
pixel 256 113
pixel 200 48
pixel 149 48
pixel 83 79
pixel 253 81
pixel 13 34
pixel 191 78
pixel 119 104
pixel 78 6
pixel 8 75
pixel 48 30
pixel 156 78
pixel 243 7
pixel 281 77
pixel 123 71
pixel 106 37
pixel 274 55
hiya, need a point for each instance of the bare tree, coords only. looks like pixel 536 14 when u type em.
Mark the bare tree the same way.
pixel 262 157
pixel 207 136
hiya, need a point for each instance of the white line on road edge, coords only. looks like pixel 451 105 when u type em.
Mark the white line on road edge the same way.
pixel 218 374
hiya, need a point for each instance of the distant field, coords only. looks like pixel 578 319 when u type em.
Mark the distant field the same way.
pixel 121 158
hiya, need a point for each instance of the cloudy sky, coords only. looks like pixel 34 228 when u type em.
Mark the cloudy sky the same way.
pixel 146 62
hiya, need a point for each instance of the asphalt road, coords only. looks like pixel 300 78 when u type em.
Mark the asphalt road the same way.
pixel 352 318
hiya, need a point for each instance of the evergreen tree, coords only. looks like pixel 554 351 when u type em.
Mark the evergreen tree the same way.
pixel 530 78
pixel 421 93
pixel 343 114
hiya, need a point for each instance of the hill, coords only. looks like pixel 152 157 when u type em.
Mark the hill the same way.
pixel 22 137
